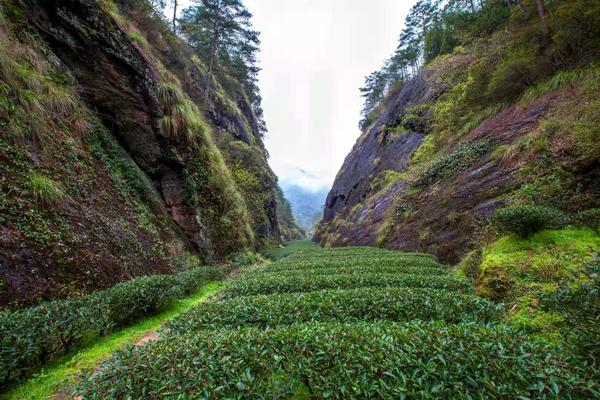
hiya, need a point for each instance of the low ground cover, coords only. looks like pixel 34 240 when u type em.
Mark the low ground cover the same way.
pixel 276 333
pixel 34 337
pixel 59 375
pixel 303 283
pixel 366 304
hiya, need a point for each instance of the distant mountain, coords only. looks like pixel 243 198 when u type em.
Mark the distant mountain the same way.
pixel 307 205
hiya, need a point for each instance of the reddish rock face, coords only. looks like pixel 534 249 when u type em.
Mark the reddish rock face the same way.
pixel 378 149
pixel 444 217
pixel 116 78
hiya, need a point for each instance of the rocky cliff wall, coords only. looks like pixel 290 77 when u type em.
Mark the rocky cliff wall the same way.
pixel 116 161
pixel 415 181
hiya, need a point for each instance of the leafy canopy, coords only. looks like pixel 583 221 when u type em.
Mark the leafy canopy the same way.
pixel 221 32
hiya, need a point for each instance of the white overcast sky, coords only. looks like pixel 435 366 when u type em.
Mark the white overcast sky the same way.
pixel 314 57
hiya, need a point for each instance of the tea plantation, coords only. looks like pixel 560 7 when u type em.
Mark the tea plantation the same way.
pixel 351 323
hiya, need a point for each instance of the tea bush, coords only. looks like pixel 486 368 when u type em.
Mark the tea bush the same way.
pixel 338 251
pixel 35 336
pixel 368 304
pixel 332 261
pixel 244 259
pixel 579 304
pixel 276 284
pixel 357 269
pixel 366 262
pixel 343 361
pixel 525 220
pixel 342 323
pixel 129 301
pixel 278 252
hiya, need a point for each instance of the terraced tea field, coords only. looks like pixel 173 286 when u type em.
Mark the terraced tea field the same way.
pixel 350 323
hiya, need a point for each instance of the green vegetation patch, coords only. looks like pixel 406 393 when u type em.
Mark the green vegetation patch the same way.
pixel 390 260
pixel 358 269
pixel 65 371
pixel 367 304
pixel 291 247
pixel 276 284
pixel 525 220
pixel 344 361
pixel 525 271
pixel 34 337
pixel 465 155
pixel 547 257
pixel 576 307
pixel 46 192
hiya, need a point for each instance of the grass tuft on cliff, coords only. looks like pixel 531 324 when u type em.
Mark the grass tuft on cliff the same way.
pixel 46 192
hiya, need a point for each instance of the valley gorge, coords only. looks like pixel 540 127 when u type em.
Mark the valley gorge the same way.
pixel 158 241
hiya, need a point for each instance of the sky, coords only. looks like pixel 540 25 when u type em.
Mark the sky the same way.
pixel 314 57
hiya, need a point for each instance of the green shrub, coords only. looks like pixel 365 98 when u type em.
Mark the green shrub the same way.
pixel 515 74
pixel 36 336
pixel 525 220
pixel 244 259
pixel 575 26
pixel 275 284
pixel 354 261
pixel 361 269
pixel 588 218
pixel 290 248
pixel 192 279
pixel 33 337
pixel 341 361
pixel 465 155
pixel 470 265
pixel 131 300
pixel 367 304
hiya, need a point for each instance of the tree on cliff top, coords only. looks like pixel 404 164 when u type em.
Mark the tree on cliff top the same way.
pixel 221 32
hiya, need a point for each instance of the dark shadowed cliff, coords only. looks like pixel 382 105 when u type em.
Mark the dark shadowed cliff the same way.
pixel 116 162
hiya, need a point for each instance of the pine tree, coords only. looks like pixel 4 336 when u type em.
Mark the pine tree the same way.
pixel 221 32
pixel 373 92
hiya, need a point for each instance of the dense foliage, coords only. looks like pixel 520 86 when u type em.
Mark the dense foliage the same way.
pixel 246 286
pixel 525 220
pixel 551 35
pixel 377 338
pixel 460 159
pixel 344 361
pixel 351 305
pixel 579 305
pixel 35 336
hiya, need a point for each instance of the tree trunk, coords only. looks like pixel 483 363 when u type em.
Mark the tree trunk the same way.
pixel 540 12
pixel 211 65
pixel 473 6
pixel 174 14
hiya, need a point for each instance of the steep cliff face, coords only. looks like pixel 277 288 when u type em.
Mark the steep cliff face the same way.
pixel 418 180
pixel 116 161
pixel 379 148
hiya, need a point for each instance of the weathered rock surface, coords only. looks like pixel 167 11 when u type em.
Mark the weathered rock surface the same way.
pixel 442 217
pixel 98 237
